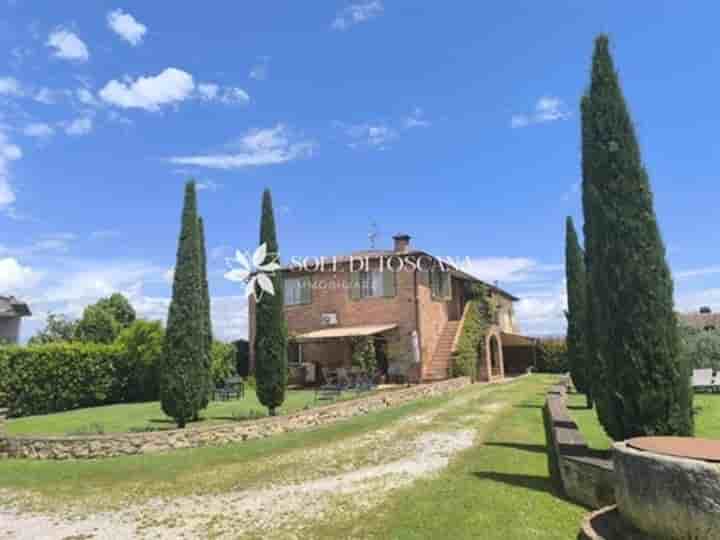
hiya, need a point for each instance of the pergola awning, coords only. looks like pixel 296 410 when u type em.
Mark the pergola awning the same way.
pixel 345 332
pixel 516 340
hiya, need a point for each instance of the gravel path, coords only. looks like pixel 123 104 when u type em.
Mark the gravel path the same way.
pixel 392 457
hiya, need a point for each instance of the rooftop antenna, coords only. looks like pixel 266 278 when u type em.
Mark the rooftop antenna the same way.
pixel 373 234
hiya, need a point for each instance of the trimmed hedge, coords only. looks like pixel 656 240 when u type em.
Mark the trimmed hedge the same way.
pixel 43 379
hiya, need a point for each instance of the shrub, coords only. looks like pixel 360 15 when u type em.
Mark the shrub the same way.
pixel 41 379
pixel 222 362
pixel 138 378
pixel 700 348
pixel 552 356
pixel 482 313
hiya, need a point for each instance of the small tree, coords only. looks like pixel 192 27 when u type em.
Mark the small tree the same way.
pixel 576 313
pixel 363 354
pixel 183 383
pixel 97 326
pixel 143 341
pixel 643 386
pixel 120 308
pixel 58 328
pixel 270 327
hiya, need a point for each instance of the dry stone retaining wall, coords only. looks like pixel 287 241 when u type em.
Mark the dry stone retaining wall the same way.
pixel 102 446
pixel 583 475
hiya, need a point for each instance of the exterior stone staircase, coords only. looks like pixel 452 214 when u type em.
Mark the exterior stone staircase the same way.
pixel 441 360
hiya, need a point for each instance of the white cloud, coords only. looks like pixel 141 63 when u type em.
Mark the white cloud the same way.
pixel 169 275
pixel 375 135
pixel 416 119
pixel 357 13
pixel 79 126
pixel 543 313
pixel 38 129
pixel 10 86
pixel 257 147
pixel 68 45
pixel 56 243
pixel 207 185
pixel 547 109
pixel 14 276
pixel 126 26
pixel 8 152
pixel 223 94
pixel 86 97
pixel 509 269
pixel 259 71
pixel 152 92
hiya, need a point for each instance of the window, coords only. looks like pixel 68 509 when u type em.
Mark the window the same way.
pixel 297 291
pixel 372 284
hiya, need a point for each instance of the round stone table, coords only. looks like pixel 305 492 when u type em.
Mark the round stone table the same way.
pixel 669 487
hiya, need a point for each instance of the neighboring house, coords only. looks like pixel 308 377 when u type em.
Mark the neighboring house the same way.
pixel 704 319
pixel 414 313
pixel 11 311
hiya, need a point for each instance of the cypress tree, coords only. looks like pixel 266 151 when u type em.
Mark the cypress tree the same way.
pixel 207 319
pixel 270 328
pixel 576 313
pixel 644 385
pixel 182 377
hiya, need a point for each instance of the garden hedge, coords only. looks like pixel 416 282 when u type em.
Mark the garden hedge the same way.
pixel 42 379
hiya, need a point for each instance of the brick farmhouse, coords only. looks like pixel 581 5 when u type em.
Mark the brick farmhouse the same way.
pixel 409 302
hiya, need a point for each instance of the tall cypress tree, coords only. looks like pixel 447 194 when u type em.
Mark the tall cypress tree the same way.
pixel 182 376
pixel 644 384
pixel 270 327
pixel 207 319
pixel 577 311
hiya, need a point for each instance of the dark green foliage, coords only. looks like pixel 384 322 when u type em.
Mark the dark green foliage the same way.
pixel 242 357
pixel 207 319
pixel 41 379
pixel 58 328
pixel 551 356
pixel 271 331
pixel 183 376
pixel 143 342
pixel 119 307
pixel 481 313
pixel 98 325
pixel 577 312
pixel 641 385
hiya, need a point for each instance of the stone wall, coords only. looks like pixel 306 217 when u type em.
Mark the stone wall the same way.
pixel 580 473
pixel 668 497
pixel 101 446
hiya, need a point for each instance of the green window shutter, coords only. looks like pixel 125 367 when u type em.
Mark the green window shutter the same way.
pixel 388 283
pixel 306 290
pixel 355 285
pixel 446 285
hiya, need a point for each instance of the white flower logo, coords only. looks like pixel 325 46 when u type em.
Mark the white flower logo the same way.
pixel 253 272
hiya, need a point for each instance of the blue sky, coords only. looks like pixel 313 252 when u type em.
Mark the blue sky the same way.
pixel 457 124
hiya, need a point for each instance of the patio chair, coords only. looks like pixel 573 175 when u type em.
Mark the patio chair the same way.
pixel 233 387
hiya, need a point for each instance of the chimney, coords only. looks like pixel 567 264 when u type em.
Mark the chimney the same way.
pixel 402 243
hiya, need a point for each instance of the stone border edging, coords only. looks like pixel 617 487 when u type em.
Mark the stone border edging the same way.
pixel 120 444
pixel 579 473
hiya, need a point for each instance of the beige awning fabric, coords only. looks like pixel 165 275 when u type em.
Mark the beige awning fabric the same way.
pixel 516 340
pixel 345 332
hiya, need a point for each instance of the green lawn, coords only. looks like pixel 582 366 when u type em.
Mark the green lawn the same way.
pixel 496 490
pixel 149 416
pixel 707 419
